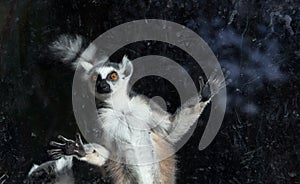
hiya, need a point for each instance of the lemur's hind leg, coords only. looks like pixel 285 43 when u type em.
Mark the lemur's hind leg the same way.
pixel 92 153
pixel 188 114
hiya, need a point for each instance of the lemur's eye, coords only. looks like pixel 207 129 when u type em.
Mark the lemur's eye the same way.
pixel 113 76
pixel 94 78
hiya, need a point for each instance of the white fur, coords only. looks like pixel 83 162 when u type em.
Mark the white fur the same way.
pixel 95 154
pixel 126 67
pixel 34 167
pixel 104 71
pixel 61 169
pixel 67 47
pixel 64 162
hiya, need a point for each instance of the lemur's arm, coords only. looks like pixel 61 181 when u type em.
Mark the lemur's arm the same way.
pixel 92 153
pixel 174 127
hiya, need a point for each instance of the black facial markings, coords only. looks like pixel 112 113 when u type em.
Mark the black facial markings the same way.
pixel 99 76
pixel 102 86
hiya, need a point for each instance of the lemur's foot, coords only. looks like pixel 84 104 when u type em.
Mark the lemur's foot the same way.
pixel 67 147
pixel 213 85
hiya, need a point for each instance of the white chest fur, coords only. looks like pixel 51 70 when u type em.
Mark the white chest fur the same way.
pixel 130 123
pixel 126 133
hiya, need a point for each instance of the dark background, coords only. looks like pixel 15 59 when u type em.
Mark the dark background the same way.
pixel 257 41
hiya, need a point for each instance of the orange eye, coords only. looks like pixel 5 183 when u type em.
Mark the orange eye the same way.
pixel 113 76
pixel 94 77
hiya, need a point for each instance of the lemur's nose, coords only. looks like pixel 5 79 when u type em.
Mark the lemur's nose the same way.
pixel 102 86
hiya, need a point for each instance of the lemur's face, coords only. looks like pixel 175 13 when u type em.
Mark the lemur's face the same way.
pixel 105 79
pixel 108 78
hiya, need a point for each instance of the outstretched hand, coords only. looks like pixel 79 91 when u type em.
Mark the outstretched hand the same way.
pixel 67 147
pixel 213 85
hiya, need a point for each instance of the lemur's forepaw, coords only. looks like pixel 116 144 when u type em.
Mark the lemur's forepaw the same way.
pixel 67 147
pixel 213 85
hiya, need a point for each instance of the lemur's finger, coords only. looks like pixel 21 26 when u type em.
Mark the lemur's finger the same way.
pixel 54 151
pixel 201 82
pixel 62 138
pixel 56 144
pixel 212 76
pixel 78 138
pixel 56 156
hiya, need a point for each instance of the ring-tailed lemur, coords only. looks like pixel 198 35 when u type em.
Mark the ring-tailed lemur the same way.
pixel 121 113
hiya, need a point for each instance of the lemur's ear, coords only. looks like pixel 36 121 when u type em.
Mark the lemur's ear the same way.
pixel 126 67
